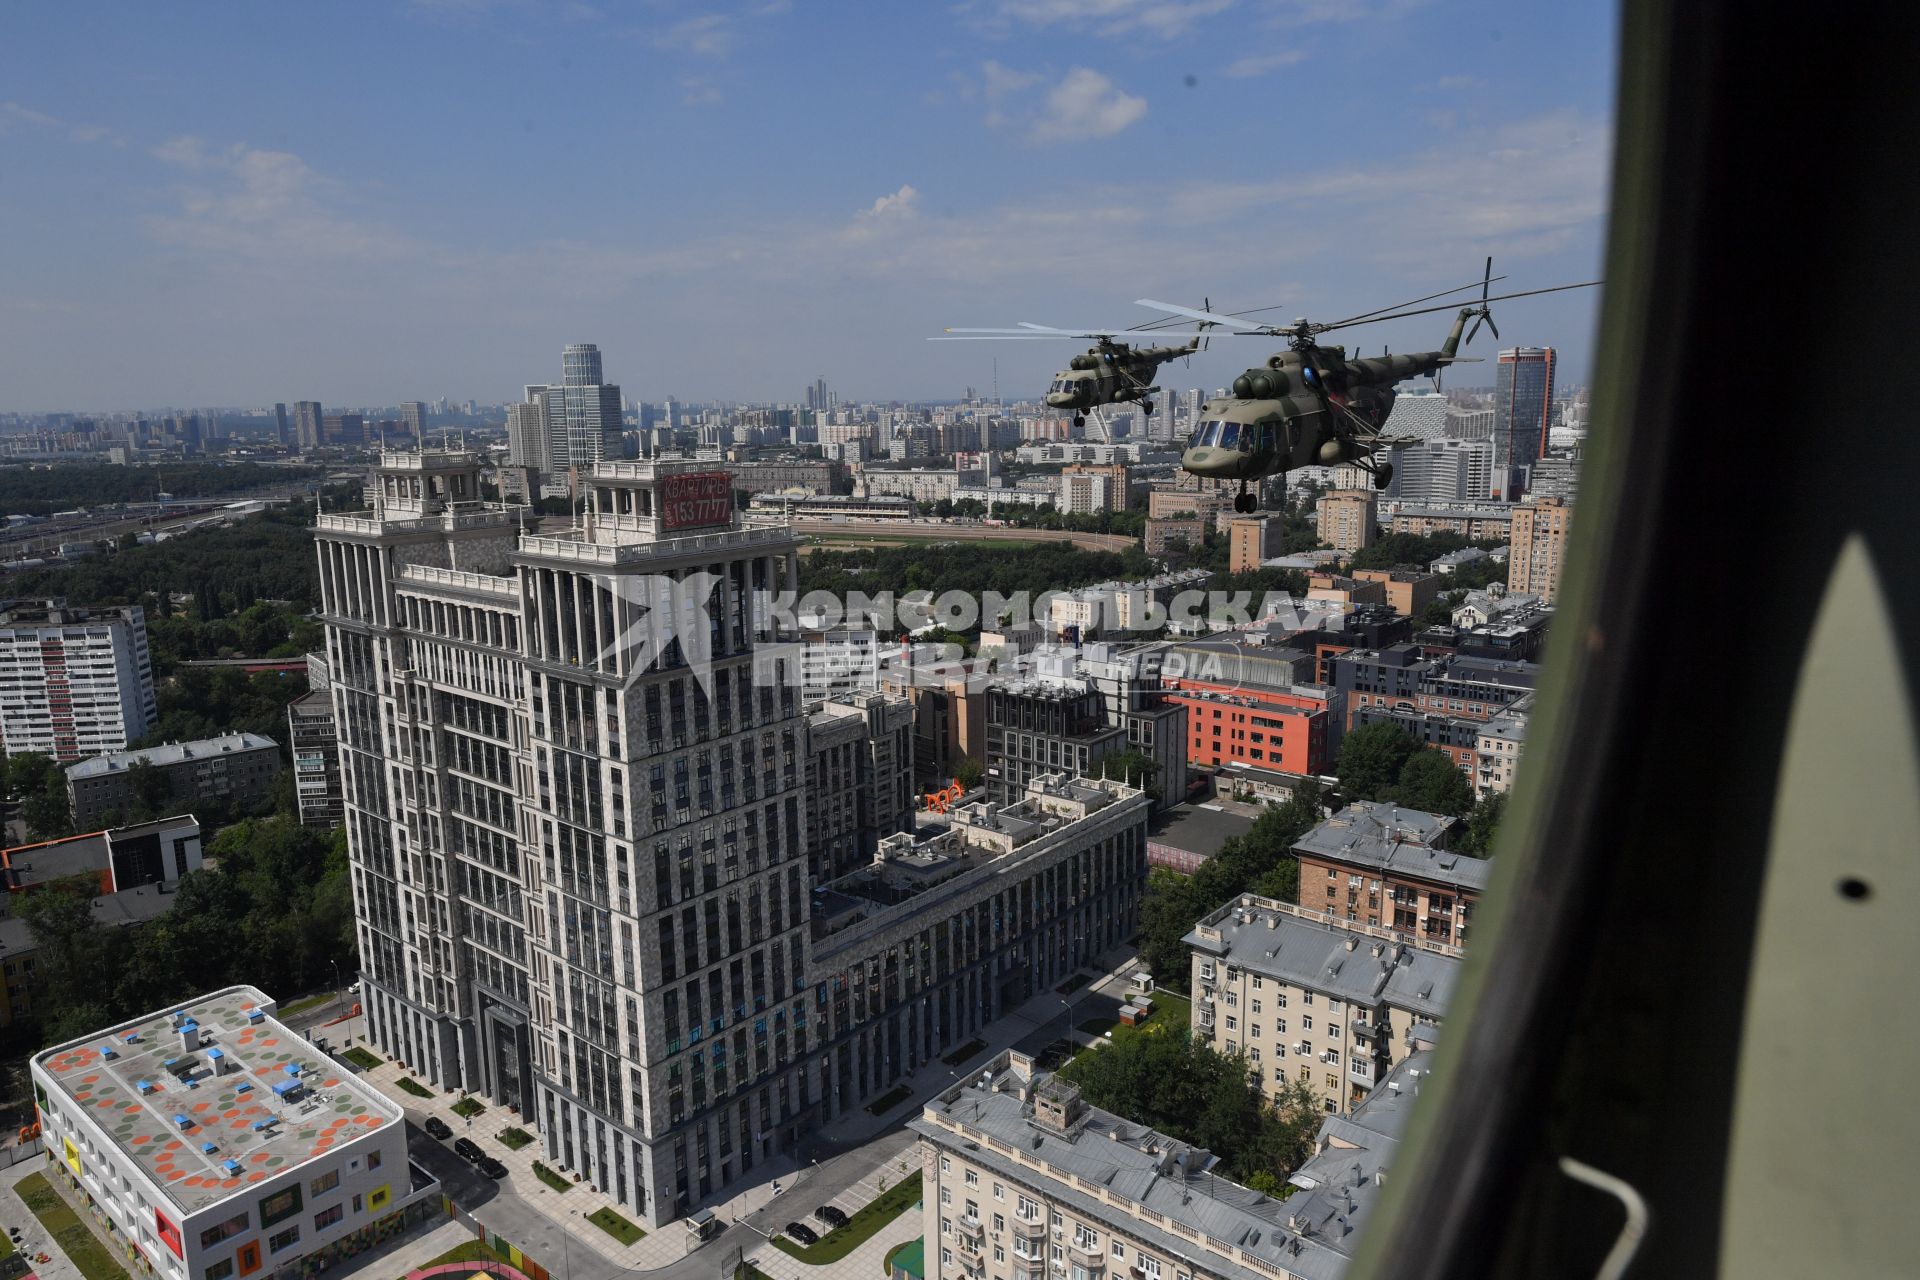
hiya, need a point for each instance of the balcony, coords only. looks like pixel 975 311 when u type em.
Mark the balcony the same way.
pixel 970 1228
pixel 1034 1233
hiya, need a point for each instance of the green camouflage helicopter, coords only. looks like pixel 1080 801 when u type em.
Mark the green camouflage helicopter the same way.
pixel 1310 404
pixel 1111 372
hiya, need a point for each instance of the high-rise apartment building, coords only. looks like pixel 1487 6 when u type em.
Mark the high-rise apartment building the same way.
pixel 308 418
pixel 1253 540
pixel 527 431
pixel 280 425
pixel 345 429
pixel 581 412
pixel 1539 547
pixel 414 414
pixel 574 771
pixel 1442 470
pixel 1522 412
pixel 73 682
pixel 1347 518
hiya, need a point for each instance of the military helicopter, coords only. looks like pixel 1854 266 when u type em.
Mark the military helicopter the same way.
pixel 1310 404
pixel 1112 371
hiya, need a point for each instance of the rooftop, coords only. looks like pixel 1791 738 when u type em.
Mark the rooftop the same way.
pixel 26 865
pixel 129 906
pixel 1390 839
pixel 170 754
pixel 1356 1150
pixel 1367 965
pixel 1153 1187
pixel 253 1090
pixel 56 612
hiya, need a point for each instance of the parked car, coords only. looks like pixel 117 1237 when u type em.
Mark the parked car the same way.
pixel 491 1167
pixel 468 1149
pixel 831 1216
pixel 803 1233
pixel 436 1128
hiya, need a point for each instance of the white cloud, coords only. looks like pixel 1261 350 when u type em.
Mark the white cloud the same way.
pixel 14 115
pixel 697 91
pixel 1524 189
pixel 266 205
pixel 707 34
pixel 1104 17
pixel 1247 68
pixel 1300 13
pixel 903 203
pixel 1086 105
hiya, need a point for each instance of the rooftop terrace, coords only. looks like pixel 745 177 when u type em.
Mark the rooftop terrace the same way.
pixel 250 1099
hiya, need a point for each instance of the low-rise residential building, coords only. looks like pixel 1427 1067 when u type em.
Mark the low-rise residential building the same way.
pixel 1253 540
pixel 1025 1181
pixel 211 1143
pixel 945 932
pixel 1474 523
pixel 1167 503
pixel 1353 1152
pixel 1347 592
pixel 235 768
pixel 1309 998
pixel 1378 864
pixel 1407 591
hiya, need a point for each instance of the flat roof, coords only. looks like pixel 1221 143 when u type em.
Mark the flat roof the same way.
pixel 247 1113
pixel 170 754
pixel 1361 966
pixel 1398 841
pixel 1197 829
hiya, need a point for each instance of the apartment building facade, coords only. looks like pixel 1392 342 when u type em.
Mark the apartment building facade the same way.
pixel 1538 552
pixel 73 682
pixel 1310 998
pixel 1377 864
pixel 235 768
pixel 1025 1181
pixel 859 779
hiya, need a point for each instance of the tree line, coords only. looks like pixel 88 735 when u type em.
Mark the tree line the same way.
pixel 43 491
pixel 968 567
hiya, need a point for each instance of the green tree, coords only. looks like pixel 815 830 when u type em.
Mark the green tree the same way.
pixel 1371 759
pixel 1133 766
pixel 969 772
pixel 1475 838
pixel 1431 782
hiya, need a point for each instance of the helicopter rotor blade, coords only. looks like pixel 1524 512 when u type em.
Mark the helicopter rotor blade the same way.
pixel 1493 328
pixel 1395 307
pixel 1205 317
pixel 1498 297
pixel 1475 328
pixel 1487 280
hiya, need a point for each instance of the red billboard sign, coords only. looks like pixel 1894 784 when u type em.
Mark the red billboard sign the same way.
pixel 692 501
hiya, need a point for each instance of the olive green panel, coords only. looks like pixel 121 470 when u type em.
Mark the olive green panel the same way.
pixel 1825 1130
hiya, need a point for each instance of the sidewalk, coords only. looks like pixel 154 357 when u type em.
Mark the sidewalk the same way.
pixel 34 1238
pixel 841 1163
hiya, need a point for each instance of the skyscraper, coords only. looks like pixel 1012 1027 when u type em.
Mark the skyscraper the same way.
pixel 579 836
pixel 583 413
pixel 1522 409
pixel 307 419
pixel 414 414
pixel 1539 547
pixel 73 682
pixel 280 424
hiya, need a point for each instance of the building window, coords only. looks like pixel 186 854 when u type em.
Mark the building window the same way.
pixel 324 1183
pixel 373 1160
pixel 223 1231
pixel 219 1270
pixel 283 1203
pixel 328 1216
pixel 973 1177
pixel 283 1240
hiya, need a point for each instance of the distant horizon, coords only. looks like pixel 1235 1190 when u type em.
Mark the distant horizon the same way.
pixel 735 200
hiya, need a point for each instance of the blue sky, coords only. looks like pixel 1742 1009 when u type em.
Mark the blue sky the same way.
pixel 362 203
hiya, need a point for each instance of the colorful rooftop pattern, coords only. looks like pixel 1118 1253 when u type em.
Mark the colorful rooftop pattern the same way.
pixel 252 1099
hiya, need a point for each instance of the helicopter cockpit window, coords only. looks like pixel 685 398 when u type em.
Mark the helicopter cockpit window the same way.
pixel 1229 435
pixel 1207 436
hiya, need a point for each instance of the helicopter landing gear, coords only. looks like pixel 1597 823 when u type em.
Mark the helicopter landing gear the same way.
pixel 1079 419
pixel 1243 501
pixel 1146 407
pixel 1382 475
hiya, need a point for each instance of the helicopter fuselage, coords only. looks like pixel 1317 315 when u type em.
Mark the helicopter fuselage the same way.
pixel 1307 406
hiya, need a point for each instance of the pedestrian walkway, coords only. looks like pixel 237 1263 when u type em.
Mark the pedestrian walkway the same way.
pixel 34 1238
pixel 864 1263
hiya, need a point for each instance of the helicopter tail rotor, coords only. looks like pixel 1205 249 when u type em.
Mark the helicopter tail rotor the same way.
pixel 1485 311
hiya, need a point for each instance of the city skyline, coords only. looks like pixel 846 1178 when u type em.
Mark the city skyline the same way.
pixel 737 200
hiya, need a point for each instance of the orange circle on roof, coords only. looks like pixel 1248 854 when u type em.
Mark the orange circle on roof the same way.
pixel 255 1177
pixel 231 1183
